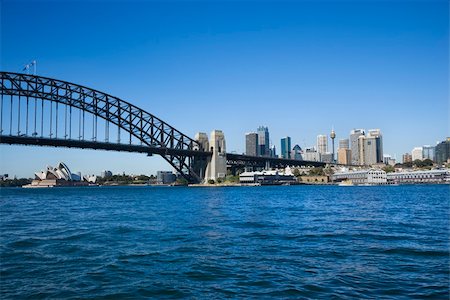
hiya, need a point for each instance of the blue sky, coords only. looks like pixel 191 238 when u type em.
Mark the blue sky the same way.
pixel 298 67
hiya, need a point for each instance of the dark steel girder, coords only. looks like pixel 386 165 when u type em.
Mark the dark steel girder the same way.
pixel 145 127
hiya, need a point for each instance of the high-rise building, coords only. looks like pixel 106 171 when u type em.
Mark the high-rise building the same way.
pixel 442 151
pixel 251 144
pixel 344 156
pixel 263 141
pixel 406 158
pixel 370 148
pixel 286 147
pixel 297 153
pixel 273 151
pixel 322 144
pixel 344 144
pixel 417 153
pixel 354 145
pixel 428 152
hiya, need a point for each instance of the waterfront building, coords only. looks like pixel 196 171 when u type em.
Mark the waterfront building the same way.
pixel 344 144
pixel 267 178
pixel 322 144
pixel 286 147
pixel 417 153
pixel 428 176
pixel 361 177
pixel 406 158
pixel 297 153
pixel 442 152
pixel 57 176
pixel 354 144
pixel 251 144
pixel 263 141
pixel 311 154
pixel 344 156
pixel 165 177
pixel 428 152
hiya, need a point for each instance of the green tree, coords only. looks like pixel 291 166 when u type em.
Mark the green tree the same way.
pixel 211 181
pixel 296 172
pixel 389 169
pixel 317 171
pixel 418 163
pixel 427 162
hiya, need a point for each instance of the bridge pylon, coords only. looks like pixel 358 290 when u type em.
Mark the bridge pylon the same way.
pixel 215 166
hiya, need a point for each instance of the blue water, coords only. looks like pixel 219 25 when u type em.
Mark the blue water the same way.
pixel 298 242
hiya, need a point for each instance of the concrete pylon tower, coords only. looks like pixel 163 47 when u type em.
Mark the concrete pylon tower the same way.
pixel 332 136
pixel 217 166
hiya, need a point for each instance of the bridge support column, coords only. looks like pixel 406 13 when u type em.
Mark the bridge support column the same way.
pixel 217 164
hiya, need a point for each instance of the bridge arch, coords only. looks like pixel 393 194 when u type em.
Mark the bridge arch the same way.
pixel 175 147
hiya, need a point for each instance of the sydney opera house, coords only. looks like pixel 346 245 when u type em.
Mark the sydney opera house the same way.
pixel 59 176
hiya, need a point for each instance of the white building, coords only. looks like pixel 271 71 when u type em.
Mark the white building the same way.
pixel 428 176
pixel 417 153
pixel 311 154
pixel 363 177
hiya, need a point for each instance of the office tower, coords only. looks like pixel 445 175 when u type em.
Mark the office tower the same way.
pixel 251 144
pixel 370 148
pixel 354 145
pixel 417 153
pixel 263 141
pixel 286 147
pixel 344 156
pixel 442 151
pixel 297 153
pixel 273 151
pixel 344 144
pixel 322 144
pixel 428 152
pixel 406 158
pixel 311 154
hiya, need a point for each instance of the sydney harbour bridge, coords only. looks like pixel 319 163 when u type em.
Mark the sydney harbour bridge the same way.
pixel 41 111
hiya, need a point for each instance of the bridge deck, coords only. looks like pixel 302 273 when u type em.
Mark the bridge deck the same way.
pixel 68 143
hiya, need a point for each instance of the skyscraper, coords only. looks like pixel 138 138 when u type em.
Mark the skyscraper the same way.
pixel 297 153
pixel 322 144
pixel 251 144
pixel 406 158
pixel 370 148
pixel 344 144
pixel 344 156
pixel 263 141
pixel 428 152
pixel 442 151
pixel 354 144
pixel 286 147
pixel 417 153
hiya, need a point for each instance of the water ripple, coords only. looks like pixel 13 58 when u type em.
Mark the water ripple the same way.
pixel 298 242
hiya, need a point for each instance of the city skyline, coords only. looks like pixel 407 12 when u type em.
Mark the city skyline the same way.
pixel 355 70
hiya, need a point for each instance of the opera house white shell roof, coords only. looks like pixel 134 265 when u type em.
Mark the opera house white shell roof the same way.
pixel 60 172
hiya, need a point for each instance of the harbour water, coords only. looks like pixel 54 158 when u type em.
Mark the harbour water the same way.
pixel 319 242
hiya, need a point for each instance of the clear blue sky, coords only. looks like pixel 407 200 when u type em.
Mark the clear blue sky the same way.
pixel 298 67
